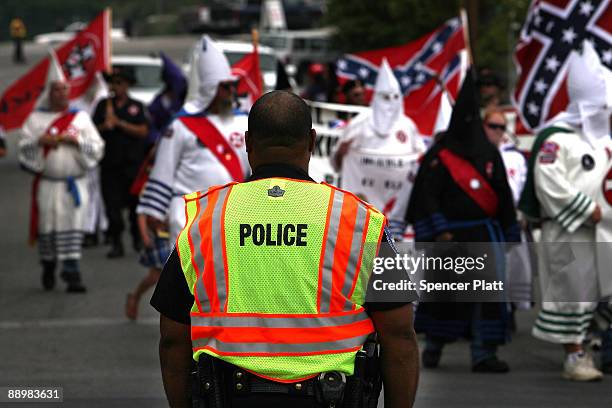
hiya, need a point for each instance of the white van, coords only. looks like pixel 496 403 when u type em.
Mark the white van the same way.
pixel 297 49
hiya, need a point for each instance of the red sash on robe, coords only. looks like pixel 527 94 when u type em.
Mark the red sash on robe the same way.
pixel 210 136
pixel 57 127
pixel 470 181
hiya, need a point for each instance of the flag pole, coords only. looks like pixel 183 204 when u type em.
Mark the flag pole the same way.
pixel 109 27
pixel 255 40
pixel 466 35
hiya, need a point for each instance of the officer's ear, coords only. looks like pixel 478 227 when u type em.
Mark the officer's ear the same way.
pixel 312 141
pixel 247 141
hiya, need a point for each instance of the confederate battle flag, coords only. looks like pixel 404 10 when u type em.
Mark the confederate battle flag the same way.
pixel 553 29
pixel 425 68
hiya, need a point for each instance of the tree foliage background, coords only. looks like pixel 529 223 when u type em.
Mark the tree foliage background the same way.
pixel 365 25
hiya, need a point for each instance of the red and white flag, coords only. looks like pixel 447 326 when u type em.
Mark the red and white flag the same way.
pixel 425 68
pixel 249 72
pixel 81 59
pixel 553 29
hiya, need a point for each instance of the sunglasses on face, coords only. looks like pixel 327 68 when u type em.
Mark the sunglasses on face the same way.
pixel 118 82
pixel 496 126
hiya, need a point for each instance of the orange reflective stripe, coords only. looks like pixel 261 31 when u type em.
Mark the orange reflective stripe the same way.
pixel 207 278
pixel 359 259
pixel 342 251
pixel 330 242
pixel 284 335
pixel 192 247
pixel 224 249
pixel 323 247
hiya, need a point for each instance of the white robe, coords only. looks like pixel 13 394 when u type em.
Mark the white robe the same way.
pixel 518 261
pixel 574 270
pixel 381 170
pixel 183 165
pixel 61 221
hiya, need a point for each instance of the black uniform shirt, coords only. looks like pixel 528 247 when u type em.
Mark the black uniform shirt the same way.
pixel 172 297
pixel 122 150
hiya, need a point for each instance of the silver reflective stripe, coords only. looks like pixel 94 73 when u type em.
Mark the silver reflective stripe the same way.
pixel 330 246
pixel 351 267
pixel 228 320
pixel 198 258
pixel 272 348
pixel 217 247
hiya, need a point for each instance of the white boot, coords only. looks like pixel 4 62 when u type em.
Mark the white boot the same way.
pixel 580 367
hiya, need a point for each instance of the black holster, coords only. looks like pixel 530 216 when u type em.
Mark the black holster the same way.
pixel 208 384
pixel 364 386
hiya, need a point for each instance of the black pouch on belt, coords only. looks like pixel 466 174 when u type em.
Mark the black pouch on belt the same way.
pixel 209 383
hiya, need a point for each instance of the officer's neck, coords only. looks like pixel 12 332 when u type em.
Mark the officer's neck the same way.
pixel 281 155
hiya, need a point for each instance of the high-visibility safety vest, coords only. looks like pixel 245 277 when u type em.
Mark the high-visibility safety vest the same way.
pixel 279 269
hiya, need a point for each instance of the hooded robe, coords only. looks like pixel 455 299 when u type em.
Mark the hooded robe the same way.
pixel 199 149
pixel 569 175
pixel 440 203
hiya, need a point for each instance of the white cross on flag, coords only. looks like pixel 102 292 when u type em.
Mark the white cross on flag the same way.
pixel 552 30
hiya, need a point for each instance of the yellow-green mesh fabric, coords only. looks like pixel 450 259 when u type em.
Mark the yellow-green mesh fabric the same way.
pixel 184 249
pixel 289 368
pixel 370 250
pixel 275 279
pixel 278 279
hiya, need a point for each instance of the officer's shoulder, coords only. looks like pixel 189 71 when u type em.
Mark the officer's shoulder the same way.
pixel 355 197
pixel 198 195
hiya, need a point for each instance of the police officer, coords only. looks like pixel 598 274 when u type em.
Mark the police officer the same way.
pixel 265 289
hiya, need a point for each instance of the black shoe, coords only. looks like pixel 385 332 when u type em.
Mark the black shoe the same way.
pixel 491 365
pixel 76 288
pixel 606 368
pixel 48 279
pixel 90 240
pixel 431 359
pixel 116 252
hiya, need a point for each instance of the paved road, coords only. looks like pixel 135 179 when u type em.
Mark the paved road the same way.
pixel 83 344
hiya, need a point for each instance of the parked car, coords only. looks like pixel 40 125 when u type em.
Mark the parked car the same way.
pixel 147 71
pixel 298 49
pixel 70 31
pixel 235 51
pixel 234 16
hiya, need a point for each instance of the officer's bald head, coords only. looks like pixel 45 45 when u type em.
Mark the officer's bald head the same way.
pixel 279 118
pixel 280 131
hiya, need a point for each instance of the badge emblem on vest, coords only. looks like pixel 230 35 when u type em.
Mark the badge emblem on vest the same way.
pixel 588 163
pixel 474 184
pixel 276 191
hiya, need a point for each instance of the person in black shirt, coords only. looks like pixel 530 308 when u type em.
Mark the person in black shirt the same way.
pixel 123 125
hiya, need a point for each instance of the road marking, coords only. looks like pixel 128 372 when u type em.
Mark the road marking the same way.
pixel 76 322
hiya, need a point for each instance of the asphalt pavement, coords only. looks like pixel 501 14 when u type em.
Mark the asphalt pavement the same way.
pixel 83 343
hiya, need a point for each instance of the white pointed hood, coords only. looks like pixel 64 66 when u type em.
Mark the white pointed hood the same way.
pixel 54 74
pixel 589 86
pixel 208 67
pixel 386 102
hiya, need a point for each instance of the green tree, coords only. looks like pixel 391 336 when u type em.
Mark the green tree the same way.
pixel 365 25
